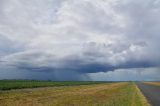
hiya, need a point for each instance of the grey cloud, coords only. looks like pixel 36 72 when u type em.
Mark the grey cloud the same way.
pixel 85 62
pixel 7 46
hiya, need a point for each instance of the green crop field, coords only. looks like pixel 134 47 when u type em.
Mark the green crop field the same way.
pixel 19 84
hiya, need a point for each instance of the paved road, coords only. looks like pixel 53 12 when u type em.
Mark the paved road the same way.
pixel 152 93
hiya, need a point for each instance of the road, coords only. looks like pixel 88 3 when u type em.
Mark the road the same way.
pixel 151 92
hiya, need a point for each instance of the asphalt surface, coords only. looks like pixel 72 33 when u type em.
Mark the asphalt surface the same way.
pixel 151 92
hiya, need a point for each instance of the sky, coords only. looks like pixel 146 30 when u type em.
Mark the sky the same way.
pixel 103 40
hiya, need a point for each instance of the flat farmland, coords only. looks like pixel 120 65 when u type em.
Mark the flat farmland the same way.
pixel 20 84
pixel 104 94
pixel 153 83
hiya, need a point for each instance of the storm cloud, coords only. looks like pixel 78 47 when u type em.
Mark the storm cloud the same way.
pixel 78 39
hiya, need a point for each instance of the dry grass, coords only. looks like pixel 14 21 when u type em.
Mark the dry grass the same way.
pixel 111 94
pixel 153 83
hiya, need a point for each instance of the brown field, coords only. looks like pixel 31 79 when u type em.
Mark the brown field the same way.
pixel 153 83
pixel 110 94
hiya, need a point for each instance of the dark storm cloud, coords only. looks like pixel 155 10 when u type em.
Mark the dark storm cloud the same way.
pixel 84 63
